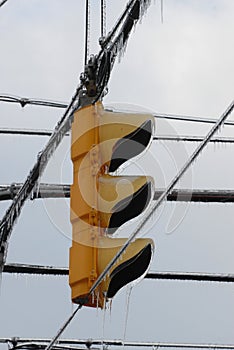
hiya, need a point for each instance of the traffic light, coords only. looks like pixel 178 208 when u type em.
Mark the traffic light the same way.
pixel 102 201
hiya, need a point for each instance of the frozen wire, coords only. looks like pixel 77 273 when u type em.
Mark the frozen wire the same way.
pixel 99 342
pixel 8 192
pixel 2 2
pixel 165 275
pixel 23 101
pixel 195 119
pixel 62 329
pixel 103 18
pixel 184 138
pixel 87 31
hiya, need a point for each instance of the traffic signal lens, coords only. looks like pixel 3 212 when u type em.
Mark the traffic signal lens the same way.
pixel 131 145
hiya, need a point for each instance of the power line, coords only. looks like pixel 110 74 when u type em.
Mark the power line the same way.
pixel 182 195
pixel 118 23
pixel 2 2
pixel 103 18
pixel 165 275
pixel 192 138
pixel 99 342
pixel 184 138
pixel 8 192
pixel 23 101
pixel 195 119
pixel 87 31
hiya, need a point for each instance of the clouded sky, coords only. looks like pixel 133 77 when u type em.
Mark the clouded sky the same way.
pixel 181 66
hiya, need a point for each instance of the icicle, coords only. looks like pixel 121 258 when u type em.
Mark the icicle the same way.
pixel 110 307
pixel 162 11
pixel 97 301
pixel 92 297
pixel 144 4
pixel 103 320
pixel 128 295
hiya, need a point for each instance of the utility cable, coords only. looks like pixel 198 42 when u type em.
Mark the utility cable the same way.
pixel 2 2
pixel 116 342
pixel 64 326
pixel 87 31
pixel 8 192
pixel 177 138
pixel 165 275
pixel 103 18
pixel 23 101
pixel 111 34
pixel 194 119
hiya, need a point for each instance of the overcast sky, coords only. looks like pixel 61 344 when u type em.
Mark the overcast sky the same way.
pixel 181 66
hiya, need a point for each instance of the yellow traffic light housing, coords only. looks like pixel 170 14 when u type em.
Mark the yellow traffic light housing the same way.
pixel 101 202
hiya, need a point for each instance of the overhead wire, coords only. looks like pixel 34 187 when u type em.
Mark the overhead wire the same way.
pixel 2 2
pixel 195 119
pixel 158 275
pixel 111 34
pixel 87 31
pixel 103 18
pixel 108 342
pixel 23 101
pixel 45 191
pixel 177 138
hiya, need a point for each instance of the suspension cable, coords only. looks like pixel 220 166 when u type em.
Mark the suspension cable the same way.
pixel 118 23
pixel 2 2
pixel 164 275
pixel 177 138
pixel 87 31
pixel 26 342
pixel 23 101
pixel 103 18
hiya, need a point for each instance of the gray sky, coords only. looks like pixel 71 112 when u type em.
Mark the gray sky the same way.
pixel 183 66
